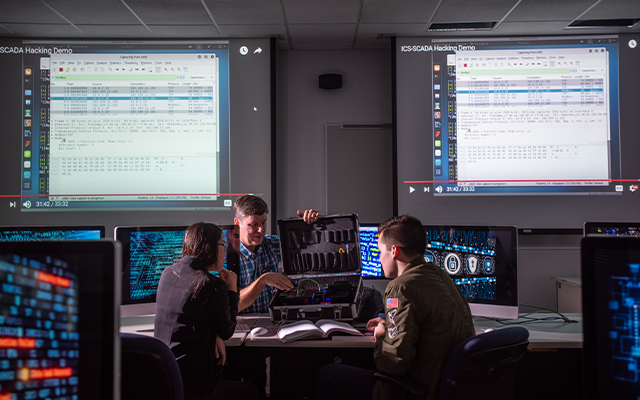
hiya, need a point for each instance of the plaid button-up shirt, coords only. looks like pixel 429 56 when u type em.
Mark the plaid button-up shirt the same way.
pixel 252 265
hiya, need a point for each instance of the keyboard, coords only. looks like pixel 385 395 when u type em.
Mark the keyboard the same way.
pixel 242 328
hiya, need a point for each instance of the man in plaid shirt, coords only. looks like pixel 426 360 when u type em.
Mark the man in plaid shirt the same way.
pixel 260 275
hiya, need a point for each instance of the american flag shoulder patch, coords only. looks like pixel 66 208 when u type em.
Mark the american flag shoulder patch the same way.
pixel 392 303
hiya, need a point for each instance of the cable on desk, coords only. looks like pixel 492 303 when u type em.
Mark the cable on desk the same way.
pixel 279 324
pixel 567 320
pixel 530 319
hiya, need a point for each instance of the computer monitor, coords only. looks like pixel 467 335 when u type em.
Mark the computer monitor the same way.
pixel 39 233
pixel 610 304
pixel 612 228
pixel 482 261
pixel 369 252
pixel 59 328
pixel 146 252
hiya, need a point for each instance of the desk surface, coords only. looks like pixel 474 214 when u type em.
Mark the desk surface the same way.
pixel 546 331
pixel 143 325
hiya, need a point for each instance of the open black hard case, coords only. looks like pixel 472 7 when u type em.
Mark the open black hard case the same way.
pixel 323 260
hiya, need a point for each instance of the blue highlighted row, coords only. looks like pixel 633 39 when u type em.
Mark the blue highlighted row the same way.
pixel 530 91
pixel 128 98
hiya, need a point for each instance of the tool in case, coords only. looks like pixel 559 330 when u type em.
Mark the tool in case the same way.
pixel 323 260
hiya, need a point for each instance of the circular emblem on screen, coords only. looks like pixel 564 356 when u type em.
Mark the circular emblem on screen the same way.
pixel 633 43
pixel 430 257
pixel 244 50
pixel 452 264
pixel 472 264
pixel 488 266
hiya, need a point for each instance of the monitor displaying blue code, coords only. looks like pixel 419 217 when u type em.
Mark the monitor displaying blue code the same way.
pixel 481 261
pixel 147 251
pixel 40 233
pixel 467 256
pixel 150 254
pixel 39 338
pixel 369 251
pixel 610 271
pixel 58 327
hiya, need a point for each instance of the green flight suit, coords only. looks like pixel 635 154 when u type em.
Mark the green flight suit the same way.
pixel 426 318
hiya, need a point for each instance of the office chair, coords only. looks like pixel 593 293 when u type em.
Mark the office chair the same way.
pixel 149 369
pixel 481 367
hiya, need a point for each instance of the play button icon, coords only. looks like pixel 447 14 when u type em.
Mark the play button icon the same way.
pixel 411 189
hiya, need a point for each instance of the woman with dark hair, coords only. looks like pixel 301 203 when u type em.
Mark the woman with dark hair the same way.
pixel 197 310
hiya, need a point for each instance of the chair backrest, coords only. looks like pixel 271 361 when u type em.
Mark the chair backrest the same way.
pixel 149 369
pixel 484 366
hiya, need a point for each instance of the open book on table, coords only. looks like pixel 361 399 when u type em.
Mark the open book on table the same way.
pixel 320 330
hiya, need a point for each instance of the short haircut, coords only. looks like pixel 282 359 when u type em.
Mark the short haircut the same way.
pixel 406 232
pixel 201 242
pixel 249 205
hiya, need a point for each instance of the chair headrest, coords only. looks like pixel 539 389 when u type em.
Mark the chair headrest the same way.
pixel 496 338
pixel 483 341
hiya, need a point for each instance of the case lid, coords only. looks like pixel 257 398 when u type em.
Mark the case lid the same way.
pixel 328 246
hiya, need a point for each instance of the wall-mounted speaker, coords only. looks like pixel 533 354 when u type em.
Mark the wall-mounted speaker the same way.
pixel 330 81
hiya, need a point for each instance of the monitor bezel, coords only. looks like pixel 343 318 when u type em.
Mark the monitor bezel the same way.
pixel 588 227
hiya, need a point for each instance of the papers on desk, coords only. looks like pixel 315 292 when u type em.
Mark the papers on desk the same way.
pixel 320 330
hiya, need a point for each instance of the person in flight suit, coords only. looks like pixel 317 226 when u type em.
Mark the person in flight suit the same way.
pixel 426 317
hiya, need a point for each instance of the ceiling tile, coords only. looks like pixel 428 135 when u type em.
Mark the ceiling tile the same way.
pixel 371 41
pixel 319 36
pixel 473 10
pixel 253 30
pixel 33 12
pixel 321 11
pixel 384 11
pixel 116 31
pixel 183 12
pixel 303 24
pixel 185 31
pixel 44 30
pixel 613 9
pixel 393 29
pixel 531 28
pixel 324 46
pixel 549 10
pixel 246 12
pixel 157 31
pixel 5 30
pixel 100 12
